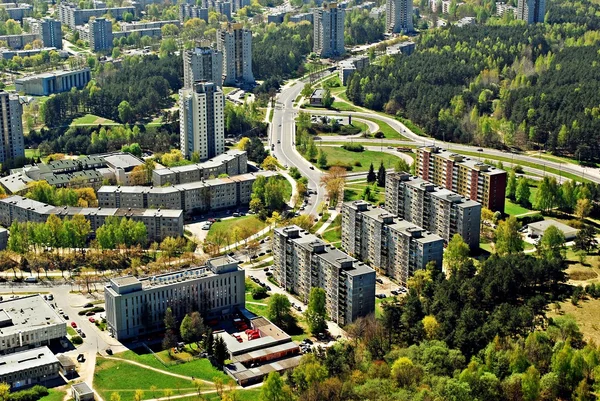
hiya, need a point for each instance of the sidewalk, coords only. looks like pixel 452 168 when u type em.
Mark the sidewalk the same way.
pixel 329 221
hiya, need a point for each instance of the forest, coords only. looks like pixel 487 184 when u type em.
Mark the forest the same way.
pixel 498 85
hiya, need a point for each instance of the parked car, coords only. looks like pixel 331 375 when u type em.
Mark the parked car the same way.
pixel 90 313
pixel 92 320
pixel 308 341
pixel 109 351
pixel 394 292
pixel 206 227
pixel 380 281
pixel 88 305
pixel 269 274
pixel 236 214
pixel 82 334
pixel 65 316
pixel 73 324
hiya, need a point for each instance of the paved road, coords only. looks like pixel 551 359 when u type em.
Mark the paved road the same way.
pixel 282 137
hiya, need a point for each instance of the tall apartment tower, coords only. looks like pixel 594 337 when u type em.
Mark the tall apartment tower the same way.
pixel 464 175
pixel 392 246
pixel 50 32
pixel 101 35
pixel 235 44
pixel 202 122
pixel 11 124
pixel 329 30
pixel 202 64
pixel 531 11
pixel 303 262
pixel 398 16
pixel 436 209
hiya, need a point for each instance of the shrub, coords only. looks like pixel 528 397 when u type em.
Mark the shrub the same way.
pixel 353 147
pixel 32 394
pixel 358 164
pixel 77 340
pixel 95 309
pixel 379 135
pixel 259 293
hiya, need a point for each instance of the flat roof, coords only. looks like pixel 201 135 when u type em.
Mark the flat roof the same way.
pixel 29 312
pixel 211 163
pixel 545 224
pixel 24 360
pixel 468 161
pixel 82 388
pixel 241 373
pixel 29 204
pixel 122 160
pixel 15 182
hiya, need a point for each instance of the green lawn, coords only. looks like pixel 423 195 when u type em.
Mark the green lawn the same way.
pixel 90 119
pixel 354 190
pixel 387 130
pixel 71 331
pixel 343 106
pixel 333 233
pixel 29 153
pixel 54 395
pixel 514 209
pixel 348 159
pixel 248 225
pixel 116 376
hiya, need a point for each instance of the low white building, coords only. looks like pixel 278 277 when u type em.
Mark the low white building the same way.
pixel 539 228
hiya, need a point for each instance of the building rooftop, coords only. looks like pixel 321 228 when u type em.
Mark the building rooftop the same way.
pixel 318 94
pixel 51 74
pixel 29 204
pixel 211 163
pixel 463 160
pixel 125 161
pixel 545 224
pixel 15 182
pixel 82 388
pixel 24 360
pixel 21 314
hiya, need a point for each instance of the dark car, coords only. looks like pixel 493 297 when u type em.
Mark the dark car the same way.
pixel 88 305
pixel 380 281
pixel 308 341
pixel 109 351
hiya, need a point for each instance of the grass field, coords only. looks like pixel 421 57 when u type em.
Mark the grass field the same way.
pixel 248 225
pixel 71 331
pixel 333 233
pixel 113 376
pixel 339 156
pixel 387 130
pixel 90 119
pixel 29 153
pixel 256 306
pixel 354 190
pixel 343 106
pixel 54 395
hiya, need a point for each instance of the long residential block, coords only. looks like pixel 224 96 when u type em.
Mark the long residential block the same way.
pixel 71 15
pixel 464 175
pixel 232 162
pixel 436 209
pixel 303 262
pixel 159 223
pixel 28 322
pixel 392 246
pixel 53 82
pixel 137 306
pixel 199 196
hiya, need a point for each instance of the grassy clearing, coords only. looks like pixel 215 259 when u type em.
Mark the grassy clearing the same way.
pixel 113 376
pixel 586 315
pixel 346 158
pixel 333 233
pixel 515 209
pixel 54 395
pixel 91 119
pixel 387 130
pixel 354 190
pixel 343 106
pixel 247 225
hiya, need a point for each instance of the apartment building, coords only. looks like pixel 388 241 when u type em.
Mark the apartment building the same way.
pixel 302 262
pixel 302 17
pixel 202 120
pixel 7 54
pixel 222 7
pixel 202 64
pixel 233 162
pixel 347 67
pixel 399 16
pixel 504 8
pixel 138 25
pixel 464 175
pixel 531 11
pixel 436 209
pixel 28 368
pixel 17 11
pixel 53 82
pixel 18 42
pixel 11 124
pixel 71 15
pixel 329 30
pixel 194 197
pixel 235 43
pixel 392 246
pixel 187 11
pixel 160 223
pixel 28 322
pixel 239 4
pixel 101 35
pixel 50 32
pixel 136 306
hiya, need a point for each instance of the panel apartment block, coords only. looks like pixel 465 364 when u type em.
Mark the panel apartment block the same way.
pixel 464 175
pixel 187 11
pixel 202 64
pixel 399 16
pixel 392 246
pixel 53 82
pixel 11 126
pixel 71 15
pixel 235 43
pixel 137 306
pixel 233 162
pixel 193 197
pixel 531 11
pixel 50 32
pixel 302 262
pixel 202 120
pixel 18 42
pixel 101 35
pixel 329 30
pixel 28 322
pixel 159 223
pixel 436 209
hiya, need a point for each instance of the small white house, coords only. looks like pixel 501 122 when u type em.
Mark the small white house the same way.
pixel 540 227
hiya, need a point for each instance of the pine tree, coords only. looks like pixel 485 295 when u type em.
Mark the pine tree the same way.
pixel 381 176
pixel 371 177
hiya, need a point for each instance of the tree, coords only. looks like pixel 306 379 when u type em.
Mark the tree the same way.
pixel 431 327
pixel 169 320
pixel 507 237
pixel 511 186
pixel 270 163
pixel 322 160
pixel 523 192
pixel 327 98
pixel 457 253
pixel 125 111
pixel 138 395
pixel 334 181
pixel 4 391
pixel 548 195
pixel 115 397
pixel 316 313
pixel 583 208
pixel 381 176
pixel 401 166
pixel 405 373
pixel 585 240
pixel 274 389
pixel 311 150
pixel 371 177
pixel 279 310
pixel 220 351
pixel 244 143
pixel 552 244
